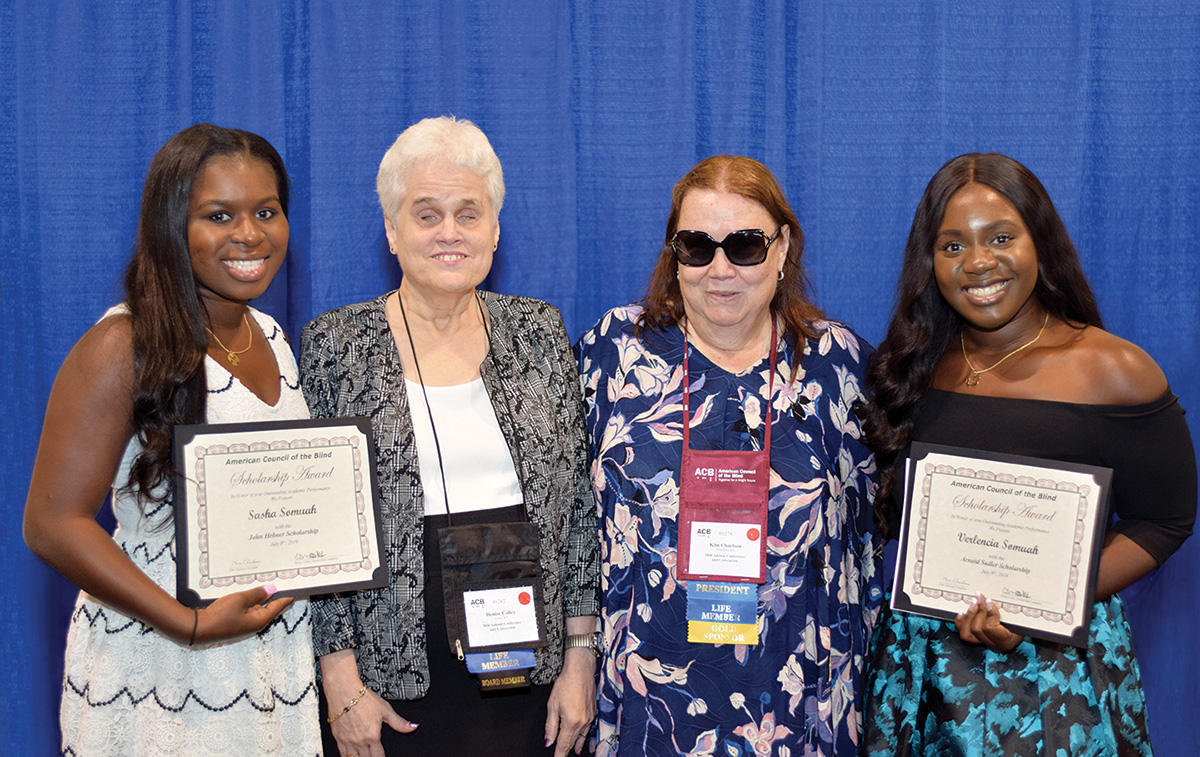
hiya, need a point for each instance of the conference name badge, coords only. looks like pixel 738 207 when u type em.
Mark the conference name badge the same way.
pixel 496 617
pixel 726 549
pixel 722 613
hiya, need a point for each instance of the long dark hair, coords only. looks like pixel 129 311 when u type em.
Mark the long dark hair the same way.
pixel 745 177
pixel 923 323
pixel 167 317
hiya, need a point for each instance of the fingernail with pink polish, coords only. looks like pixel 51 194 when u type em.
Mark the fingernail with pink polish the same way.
pixel 270 589
pixel 547 744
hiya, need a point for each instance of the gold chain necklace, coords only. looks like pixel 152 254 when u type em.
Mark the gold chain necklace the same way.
pixel 973 379
pixel 232 356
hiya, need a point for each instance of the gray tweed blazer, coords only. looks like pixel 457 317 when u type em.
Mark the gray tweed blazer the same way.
pixel 348 367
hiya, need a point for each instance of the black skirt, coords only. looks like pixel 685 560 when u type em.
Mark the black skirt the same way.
pixel 455 717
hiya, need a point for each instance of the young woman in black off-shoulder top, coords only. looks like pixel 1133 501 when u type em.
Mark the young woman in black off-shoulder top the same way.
pixel 997 344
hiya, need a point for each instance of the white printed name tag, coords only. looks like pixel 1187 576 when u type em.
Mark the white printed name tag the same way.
pixel 725 549
pixel 500 616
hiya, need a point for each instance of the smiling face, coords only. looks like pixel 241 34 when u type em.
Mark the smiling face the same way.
pixel 730 303
pixel 985 261
pixel 237 232
pixel 445 231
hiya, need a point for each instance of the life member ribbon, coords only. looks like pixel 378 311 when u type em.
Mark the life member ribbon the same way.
pixel 722 613
pixel 496 662
pixel 723 502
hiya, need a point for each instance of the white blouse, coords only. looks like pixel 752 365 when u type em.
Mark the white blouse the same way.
pixel 480 474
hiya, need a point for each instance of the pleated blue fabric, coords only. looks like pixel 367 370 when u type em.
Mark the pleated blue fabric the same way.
pixel 595 109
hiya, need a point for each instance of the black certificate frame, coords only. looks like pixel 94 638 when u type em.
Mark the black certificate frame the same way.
pixel 196 588
pixel 971 465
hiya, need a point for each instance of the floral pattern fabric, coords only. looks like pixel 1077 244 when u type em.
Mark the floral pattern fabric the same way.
pixel 932 694
pixel 798 691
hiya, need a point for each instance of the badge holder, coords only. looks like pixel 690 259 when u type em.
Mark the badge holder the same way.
pixel 722 541
pixel 495 611
pixel 723 503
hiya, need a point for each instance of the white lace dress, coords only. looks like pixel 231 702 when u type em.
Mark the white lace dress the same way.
pixel 128 690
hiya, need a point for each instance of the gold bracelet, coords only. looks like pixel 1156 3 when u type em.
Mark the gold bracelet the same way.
pixel 361 693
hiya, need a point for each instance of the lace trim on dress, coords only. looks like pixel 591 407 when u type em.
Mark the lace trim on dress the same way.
pixel 227 387
pixel 84 693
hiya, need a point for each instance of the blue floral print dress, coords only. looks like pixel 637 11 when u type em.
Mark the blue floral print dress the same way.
pixel 798 691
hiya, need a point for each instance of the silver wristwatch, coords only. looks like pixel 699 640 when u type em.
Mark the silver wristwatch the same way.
pixel 591 641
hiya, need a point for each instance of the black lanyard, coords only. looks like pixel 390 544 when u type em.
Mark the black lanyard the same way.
pixel 516 452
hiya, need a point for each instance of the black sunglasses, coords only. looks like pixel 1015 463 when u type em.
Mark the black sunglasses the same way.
pixel 745 247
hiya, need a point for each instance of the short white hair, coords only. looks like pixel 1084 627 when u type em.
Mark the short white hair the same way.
pixel 456 141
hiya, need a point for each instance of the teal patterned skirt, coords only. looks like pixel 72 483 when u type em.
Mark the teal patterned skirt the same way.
pixel 930 694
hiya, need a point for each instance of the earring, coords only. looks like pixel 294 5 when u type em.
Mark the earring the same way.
pixel 781 274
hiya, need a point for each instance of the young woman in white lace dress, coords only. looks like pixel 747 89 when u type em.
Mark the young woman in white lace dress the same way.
pixel 144 674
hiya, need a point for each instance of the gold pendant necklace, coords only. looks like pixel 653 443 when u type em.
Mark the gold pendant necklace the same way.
pixel 973 379
pixel 230 355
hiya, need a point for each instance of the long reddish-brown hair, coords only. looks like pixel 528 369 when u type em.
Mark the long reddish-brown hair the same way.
pixel 745 177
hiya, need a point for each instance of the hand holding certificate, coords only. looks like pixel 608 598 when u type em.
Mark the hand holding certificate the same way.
pixel 1024 532
pixel 291 503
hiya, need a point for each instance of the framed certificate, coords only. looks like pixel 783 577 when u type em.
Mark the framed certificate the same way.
pixel 1023 531
pixel 293 503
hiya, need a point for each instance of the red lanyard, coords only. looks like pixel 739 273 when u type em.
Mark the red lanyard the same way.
pixel 723 501
pixel 687 413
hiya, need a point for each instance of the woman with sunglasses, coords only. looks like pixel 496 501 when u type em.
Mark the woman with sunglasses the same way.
pixel 738 574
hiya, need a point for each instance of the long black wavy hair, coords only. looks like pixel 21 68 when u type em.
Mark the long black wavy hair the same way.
pixel 167 316
pixel 923 323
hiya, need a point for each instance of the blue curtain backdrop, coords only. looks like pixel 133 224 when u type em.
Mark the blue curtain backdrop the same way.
pixel 596 109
